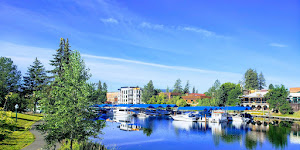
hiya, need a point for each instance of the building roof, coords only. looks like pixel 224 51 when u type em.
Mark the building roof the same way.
pixel 261 93
pixel 239 108
pixel 295 90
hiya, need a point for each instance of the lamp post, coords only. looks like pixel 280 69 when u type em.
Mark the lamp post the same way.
pixel 16 107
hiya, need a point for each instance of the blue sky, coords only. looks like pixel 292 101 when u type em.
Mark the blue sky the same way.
pixel 128 43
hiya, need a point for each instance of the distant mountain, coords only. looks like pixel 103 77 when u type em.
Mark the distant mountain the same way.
pixel 165 90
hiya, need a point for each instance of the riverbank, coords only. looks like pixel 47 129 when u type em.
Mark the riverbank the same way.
pixel 22 137
pixel 295 115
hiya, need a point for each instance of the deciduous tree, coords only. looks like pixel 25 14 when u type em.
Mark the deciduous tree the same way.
pixel 67 112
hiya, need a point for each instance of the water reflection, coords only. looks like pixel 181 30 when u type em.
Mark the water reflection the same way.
pixel 259 134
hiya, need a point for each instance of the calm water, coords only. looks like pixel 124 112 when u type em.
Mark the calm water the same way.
pixel 164 133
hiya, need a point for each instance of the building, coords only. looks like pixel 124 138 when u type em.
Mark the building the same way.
pixel 171 95
pixel 112 97
pixel 294 98
pixel 129 95
pixel 193 97
pixel 255 99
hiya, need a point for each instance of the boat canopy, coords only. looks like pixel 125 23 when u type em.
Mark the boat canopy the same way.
pixel 205 108
pixel 136 105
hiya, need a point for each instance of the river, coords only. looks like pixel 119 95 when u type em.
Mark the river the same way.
pixel 165 133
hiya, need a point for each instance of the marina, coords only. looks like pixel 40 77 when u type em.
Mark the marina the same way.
pixel 162 132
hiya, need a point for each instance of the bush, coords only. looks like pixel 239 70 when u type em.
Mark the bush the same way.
pixel 7 124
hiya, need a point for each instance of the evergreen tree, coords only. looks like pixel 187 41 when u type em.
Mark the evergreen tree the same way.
pixel 168 90
pixel 261 81
pixel 34 80
pixel 148 92
pixel 251 79
pixel 62 56
pixel 197 91
pixel 10 78
pixel 99 86
pixel 177 86
pixel 104 87
pixel 194 90
pixel 186 88
pixel 271 86
pixel 277 99
pixel 70 117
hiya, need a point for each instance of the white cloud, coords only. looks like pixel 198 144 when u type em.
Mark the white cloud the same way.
pixel 110 20
pixel 277 45
pixel 201 31
pixel 151 26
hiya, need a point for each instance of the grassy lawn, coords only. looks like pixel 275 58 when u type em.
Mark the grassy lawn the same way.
pixel 22 136
pixel 295 115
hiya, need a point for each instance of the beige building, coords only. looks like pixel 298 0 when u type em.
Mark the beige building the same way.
pixel 112 97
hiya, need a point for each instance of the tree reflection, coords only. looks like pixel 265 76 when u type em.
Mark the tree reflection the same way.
pixel 277 134
pixel 250 141
pixel 147 131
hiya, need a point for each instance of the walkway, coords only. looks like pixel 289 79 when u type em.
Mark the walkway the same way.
pixel 39 142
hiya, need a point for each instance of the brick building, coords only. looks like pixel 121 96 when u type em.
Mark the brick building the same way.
pixel 193 97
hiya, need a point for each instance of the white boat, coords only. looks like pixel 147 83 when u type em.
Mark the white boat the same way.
pixel 130 127
pixel 184 117
pixel 240 118
pixel 218 116
pixel 142 115
pixel 123 111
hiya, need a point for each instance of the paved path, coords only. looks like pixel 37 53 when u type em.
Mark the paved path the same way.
pixel 39 142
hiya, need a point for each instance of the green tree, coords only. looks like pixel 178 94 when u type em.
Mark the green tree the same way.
pixel 67 113
pixel 233 95
pixel 34 80
pixel 251 79
pixel 223 92
pixel 261 81
pixel 194 90
pixel 104 87
pixel 177 86
pixel 212 91
pixel 148 92
pixel 62 56
pixel 187 87
pixel 167 90
pixel 277 99
pixel 271 86
pixel 10 78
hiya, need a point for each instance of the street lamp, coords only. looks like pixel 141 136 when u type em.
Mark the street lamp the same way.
pixel 16 107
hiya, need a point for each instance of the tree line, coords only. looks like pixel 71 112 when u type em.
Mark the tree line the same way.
pixel 63 93
pixel 21 90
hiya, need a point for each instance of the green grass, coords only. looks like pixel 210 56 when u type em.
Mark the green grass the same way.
pixel 295 115
pixel 22 136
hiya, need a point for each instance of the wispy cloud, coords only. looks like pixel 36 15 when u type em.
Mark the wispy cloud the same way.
pixel 198 30
pixel 277 45
pixel 154 64
pixel 110 20
pixel 151 26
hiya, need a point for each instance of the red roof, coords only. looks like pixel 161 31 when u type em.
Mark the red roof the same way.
pixel 197 94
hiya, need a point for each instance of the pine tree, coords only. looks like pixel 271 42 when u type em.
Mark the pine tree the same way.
pixel 70 117
pixel 10 78
pixel 34 80
pixel 168 90
pixel 177 86
pixel 99 86
pixel 62 56
pixel 271 86
pixel 194 90
pixel 251 79
pixel 148 92
pixel 261 81
pixel 187 88
pixel 104 87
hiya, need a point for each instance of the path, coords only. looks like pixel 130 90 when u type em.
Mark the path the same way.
pixel 39 142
